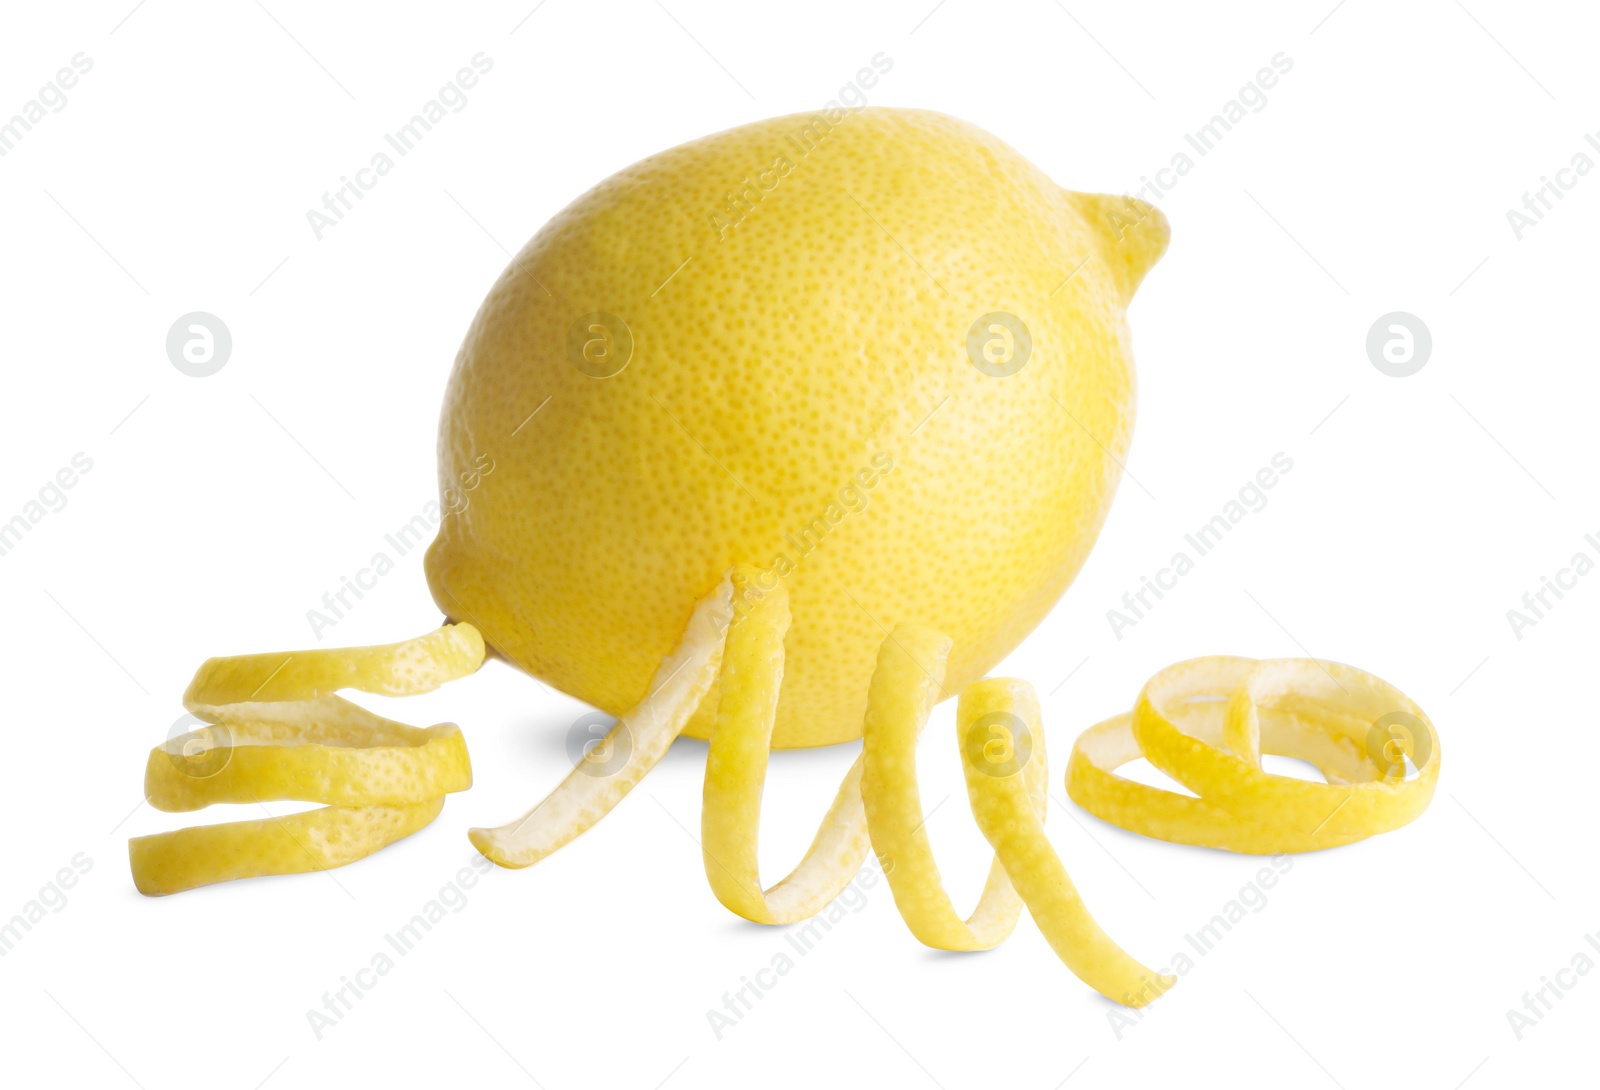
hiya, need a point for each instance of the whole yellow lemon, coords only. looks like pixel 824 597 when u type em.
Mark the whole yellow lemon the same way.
pixel 876 353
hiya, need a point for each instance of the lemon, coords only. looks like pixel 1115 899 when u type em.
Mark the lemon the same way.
pixel 877 354
pixel 777 438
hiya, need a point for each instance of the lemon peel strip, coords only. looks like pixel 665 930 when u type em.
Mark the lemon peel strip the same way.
pixel 324 750
pixel 736 771
pixel 394 669
pixel 583 798
pixel 906 684
pixel 314 840
pixel 877 804
pixel 1005 768
pixel 1206 722
pixel 1009 819
pixel 274 730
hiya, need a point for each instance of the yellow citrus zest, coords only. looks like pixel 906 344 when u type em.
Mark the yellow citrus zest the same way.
pixel 906 684
pixel 1206 722
pixel 742 651
pixel 272 730
pixel 736 771
pixel 643 734
pixel 1012 822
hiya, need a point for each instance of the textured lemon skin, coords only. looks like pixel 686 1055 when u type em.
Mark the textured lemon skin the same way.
pixel 775 363
pixel 273 728
pixel 310 841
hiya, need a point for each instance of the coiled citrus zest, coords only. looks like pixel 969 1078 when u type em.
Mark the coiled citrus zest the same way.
pixel 643 733
pixel 736 772
pixel 273 730
pixel 906 684
pixel 1206 722
pixel 877 803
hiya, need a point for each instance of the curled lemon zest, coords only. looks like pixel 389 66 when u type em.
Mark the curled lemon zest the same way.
pixel 878 803
pixel 272 729
pixel 736 772
pixel 906 684
pixel 644 733
pixel 1206 722
pixel 1011 821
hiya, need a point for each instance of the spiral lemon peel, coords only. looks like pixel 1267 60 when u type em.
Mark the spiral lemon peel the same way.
pixel 273 729
pixel 203 855
pixel 644 733
pixel 1206 722
pixel 906 683
pixel 1009 815
pixel 736 772
pixel 877 805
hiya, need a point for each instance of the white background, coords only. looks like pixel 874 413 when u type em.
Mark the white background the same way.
pixel 1376 179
